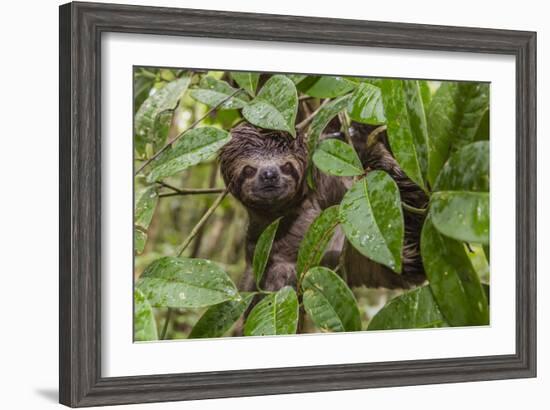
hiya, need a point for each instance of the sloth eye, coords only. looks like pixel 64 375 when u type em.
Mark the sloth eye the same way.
pixel 287 168
pixel 249 171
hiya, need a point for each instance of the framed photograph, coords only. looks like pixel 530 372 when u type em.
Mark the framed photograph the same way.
pixel 260 204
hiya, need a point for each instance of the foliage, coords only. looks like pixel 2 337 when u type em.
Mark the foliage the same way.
pixel 438 133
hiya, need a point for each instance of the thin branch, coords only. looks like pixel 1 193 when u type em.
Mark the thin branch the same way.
pixel 202 221
pixel 310 117
pixel 412 209
pixel 345 125
pixel 193 125
pixel 187 191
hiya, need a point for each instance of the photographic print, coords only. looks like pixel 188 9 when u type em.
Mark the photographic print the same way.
pixel 280 204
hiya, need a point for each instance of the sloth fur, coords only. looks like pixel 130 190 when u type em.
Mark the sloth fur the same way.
pixel 266 171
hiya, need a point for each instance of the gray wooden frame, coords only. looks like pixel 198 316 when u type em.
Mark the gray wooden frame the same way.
pixel 81 27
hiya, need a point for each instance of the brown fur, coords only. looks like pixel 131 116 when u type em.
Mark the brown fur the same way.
pixel 298 205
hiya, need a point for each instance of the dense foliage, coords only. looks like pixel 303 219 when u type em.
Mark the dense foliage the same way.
pixel 438 133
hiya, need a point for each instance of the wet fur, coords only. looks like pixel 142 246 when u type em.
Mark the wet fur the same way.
pixel 251 145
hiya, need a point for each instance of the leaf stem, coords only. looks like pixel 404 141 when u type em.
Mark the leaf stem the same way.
pixel 414 210
pixel 193 125
pixel 202 221
pixel 372 137
pixel 166 322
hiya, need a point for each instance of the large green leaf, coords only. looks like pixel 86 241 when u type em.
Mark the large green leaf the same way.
pixel 453 280
pixel 262 250
pixel 276 314
pixel 146 201
pixel 195 146
pixel 218 319
pixel 372 219
pixel 462 215
pixel 366 105
pixel 329 302
pixel 275 106
pixel 454 118
pixel 460 205
pixel 466 170
pixel 186 283
pixel 335 157
pixel 414 309
pixel 145 325
pixel 213 92
pixel 145 120
pixel 325 86
pixel 247 81
pixel 322 119
pixel 406 122
pixel 313 245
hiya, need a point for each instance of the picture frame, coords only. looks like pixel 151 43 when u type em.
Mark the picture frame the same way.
pixel 81 26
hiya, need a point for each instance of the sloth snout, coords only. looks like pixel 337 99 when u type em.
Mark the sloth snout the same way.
pixel 269 174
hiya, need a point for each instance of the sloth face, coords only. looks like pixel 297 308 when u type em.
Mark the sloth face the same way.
pixel 263 169
pixel 266 182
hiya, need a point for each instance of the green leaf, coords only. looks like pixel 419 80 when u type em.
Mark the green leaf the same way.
pixel 140 239
pixel 415 309
pixel 325 86
pixel 247 81
pixel 296 78
pixel 479 261
pixel 145 325
pixel 425 93
pixel 329 302
pixel 186 283
pixel 483 131
pixel 315 241
pixel 460 205
pixel 164 99
pixel 275 107
pixel 366 105
pixel 372 219
pixel 146 202
pixel 218 319
pixel 195 146
pixel 335 157
pixel 462 215
pixel 406 122
pixel 454 118
pixel 213 92
pixel 262 250
pixel 276 314
pixel 453 280
pixel 322 119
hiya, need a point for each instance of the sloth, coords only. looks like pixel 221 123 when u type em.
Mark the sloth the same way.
pixel 266 172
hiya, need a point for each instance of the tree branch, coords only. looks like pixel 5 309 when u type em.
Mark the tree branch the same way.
pixel 202 221
pixel 187 191
pixel 193 125
pixel 310 117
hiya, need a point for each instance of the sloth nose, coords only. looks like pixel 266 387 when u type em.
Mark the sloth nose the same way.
pixel 269 174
